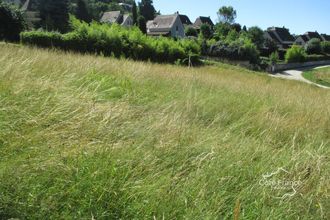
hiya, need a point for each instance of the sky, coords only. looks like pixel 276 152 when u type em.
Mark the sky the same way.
pixel 297 15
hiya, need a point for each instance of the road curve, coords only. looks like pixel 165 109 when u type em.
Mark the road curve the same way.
pixel 297 75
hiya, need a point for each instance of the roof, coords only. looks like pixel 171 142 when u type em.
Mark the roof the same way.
pixel 203 20
pixel 162 23
pixel 185 20
pixel 272 36
pixel 112 17
pixel 282 33
pixel 303 37
pixel 325 37
pixel 26 6
pixel 311 35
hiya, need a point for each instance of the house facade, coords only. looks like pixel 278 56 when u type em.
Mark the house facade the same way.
pixel 112 17
pixel 281 36
pixel 166 25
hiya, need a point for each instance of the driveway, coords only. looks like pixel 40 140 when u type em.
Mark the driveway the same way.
pixel 297 75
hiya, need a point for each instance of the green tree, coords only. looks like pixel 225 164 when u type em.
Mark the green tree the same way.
pixel 147 9
pixel 257 36
pixel 206 31
pixel 313 46
pixel 54 15
pixel 295 54
pixel 190 31
pixel 134 13
pixel 82 12
pixel 142 24
pixel 12 22
pixel 227 14
pixel 325 47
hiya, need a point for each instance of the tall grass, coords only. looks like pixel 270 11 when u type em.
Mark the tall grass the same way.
pixel 85 137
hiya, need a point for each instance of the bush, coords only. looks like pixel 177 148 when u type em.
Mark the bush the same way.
pixel 317 57
pixel 274 57
pixel 114 40
pixel 295 54
pixel 240 49
pixel 12 22
pixel 191 32
pixel 325 46
pixel 313 46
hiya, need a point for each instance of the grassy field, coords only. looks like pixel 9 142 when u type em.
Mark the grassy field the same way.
pixel 319 76
pixel 85 137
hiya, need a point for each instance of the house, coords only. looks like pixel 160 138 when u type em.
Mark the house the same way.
pixel 281 36
pixel 126 7
pixel 30 13
pixel 203 20
pixel 166 25
pixel 112 17
pixel 185 20
pixel 301 40
pixel 311 35
pixel 325 37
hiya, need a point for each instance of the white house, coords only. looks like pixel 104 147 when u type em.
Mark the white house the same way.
pixel 166 25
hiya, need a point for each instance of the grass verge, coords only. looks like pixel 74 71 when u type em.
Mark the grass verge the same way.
pixel 319 76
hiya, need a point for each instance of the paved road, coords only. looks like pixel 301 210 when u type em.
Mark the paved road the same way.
pixel 297 75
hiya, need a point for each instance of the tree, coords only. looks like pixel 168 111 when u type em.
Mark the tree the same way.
pixel 295 54
pixel 271 45
pixel 190 31
pixel 222 30
pixel 244 28
pixel 313 46
pixel 227 14
pixel 147 9
pixel 82 12
pixel 142 24
pixel 206 31
pixel 134 13
pixel 257 36
pixel 12 22
pixel 54 15
pixel 325 45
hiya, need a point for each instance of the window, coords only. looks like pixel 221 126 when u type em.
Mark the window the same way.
pixel 177 28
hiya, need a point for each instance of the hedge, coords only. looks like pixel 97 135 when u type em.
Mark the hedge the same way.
pixel 241 49
pixel 114 40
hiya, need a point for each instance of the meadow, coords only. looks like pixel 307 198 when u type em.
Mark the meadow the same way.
pixel 91 137
pixel 319 76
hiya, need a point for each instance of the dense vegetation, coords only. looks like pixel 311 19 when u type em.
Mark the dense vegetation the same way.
pixel 86 137
pixel 115 40
pixel 12 22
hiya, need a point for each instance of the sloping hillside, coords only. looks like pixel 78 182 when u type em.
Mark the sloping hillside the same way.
pixel 92 137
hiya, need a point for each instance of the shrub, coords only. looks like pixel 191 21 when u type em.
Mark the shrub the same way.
pixel 316 57
pixel 241 49
pixel 11 22
pixel 114 40
pixel 295 54
pixel 313 46
pixel 325 46
pixel 191 32
pixel 274 57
